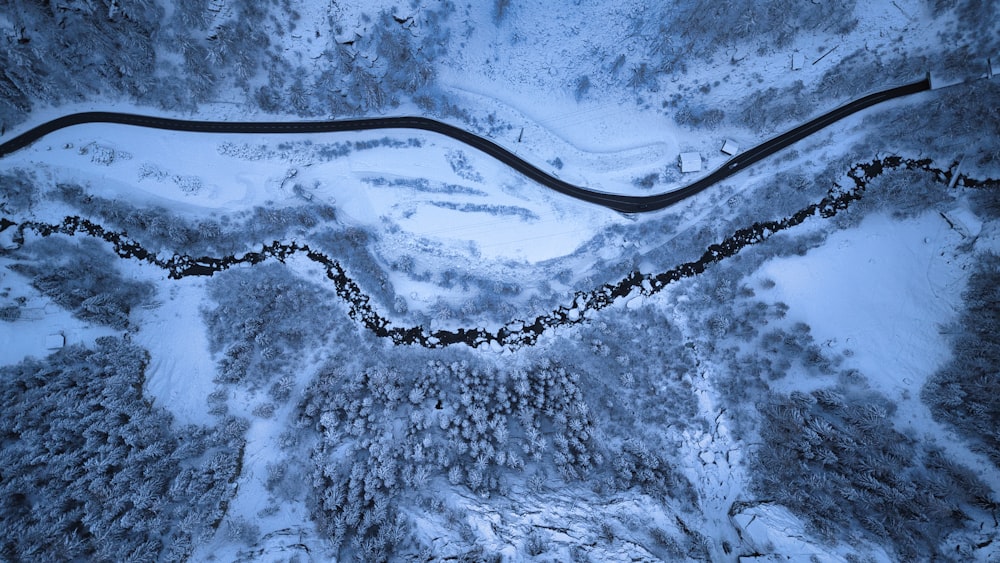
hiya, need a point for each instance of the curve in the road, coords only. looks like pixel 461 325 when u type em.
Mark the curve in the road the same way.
pixel 623 203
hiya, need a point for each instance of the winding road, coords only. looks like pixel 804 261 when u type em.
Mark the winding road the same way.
pixel 617 202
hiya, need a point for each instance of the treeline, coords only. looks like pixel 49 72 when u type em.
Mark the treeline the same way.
pixel 835 457
pixel 963 393
pixel 636 371
pixel 974 23
pixel 82 277
pixel 219 46
pixel 378 67
pixel 604 410
pixel 69 50
pixel 861 72
pixel 953 124
pixel 902 194
pixel 72 50
pixel 91 470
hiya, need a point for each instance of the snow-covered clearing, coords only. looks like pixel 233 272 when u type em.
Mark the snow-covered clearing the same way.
pixel 42 323
pixel 883 296
pixel 180 372
pixel 421 186
pixel 884 290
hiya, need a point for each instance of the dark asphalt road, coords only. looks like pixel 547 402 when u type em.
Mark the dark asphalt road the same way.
pixel 623 203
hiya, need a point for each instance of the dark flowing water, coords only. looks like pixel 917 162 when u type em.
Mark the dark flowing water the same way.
pixel 517 333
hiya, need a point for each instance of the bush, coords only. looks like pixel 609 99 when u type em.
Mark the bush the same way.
pixel 353 249
pixel 766 109
pixel 582 86
pixel 903 193
pixel 158 229
pixel 263 317
pixel 636 465
pixel 17 192
pixel 695 117
pixel 10 313
pixel 646 182
pixel 82 278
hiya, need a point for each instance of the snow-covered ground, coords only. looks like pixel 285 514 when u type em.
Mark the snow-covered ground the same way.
pixel 42 327
pixel 181 369
pixel 885 290
pixel 881 294
pixel 522 72
pixel 884 296
pixel 431 190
